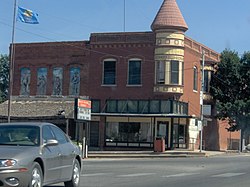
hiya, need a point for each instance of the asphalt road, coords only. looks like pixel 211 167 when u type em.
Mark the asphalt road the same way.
pixel 219 171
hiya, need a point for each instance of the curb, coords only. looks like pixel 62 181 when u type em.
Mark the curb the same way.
pixel 146 155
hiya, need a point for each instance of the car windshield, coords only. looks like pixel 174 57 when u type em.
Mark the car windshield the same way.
pixel 22 135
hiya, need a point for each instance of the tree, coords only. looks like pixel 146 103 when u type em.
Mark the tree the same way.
pixel 230 87
pixel 4 77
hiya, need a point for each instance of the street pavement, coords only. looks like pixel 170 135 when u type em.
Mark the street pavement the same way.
pixel 224 170
pixel 152 154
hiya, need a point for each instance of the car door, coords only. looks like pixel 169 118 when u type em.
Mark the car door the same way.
pixel 67 153
pixel 52 157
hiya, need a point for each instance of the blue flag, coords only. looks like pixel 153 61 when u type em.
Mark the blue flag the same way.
pixel 27 16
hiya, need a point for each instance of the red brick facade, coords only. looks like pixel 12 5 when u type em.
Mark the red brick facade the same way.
pixel 89 56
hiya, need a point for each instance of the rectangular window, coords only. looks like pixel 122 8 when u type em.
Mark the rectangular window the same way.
pixel 195 83
pixel 175 107
pixel 174 72
pixel 154 106
pixel 143 107
pixel 165 107
pixel 128 132
pixel 95 108
pixel 182 134
pixel 122 106
pixel 134 72
pixel 133 106
pixel 109 72
pixel 111 106
pixel 182 73
pixel 207 78
pixel 160 72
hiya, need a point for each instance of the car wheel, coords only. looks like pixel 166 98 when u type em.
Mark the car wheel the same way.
pixel 36 176
pixel 75 179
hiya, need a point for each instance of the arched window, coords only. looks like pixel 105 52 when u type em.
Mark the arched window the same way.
pixel 109 72
pixel 195 83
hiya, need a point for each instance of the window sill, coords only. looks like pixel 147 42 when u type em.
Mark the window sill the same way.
pixel 108 85
pixel 134 85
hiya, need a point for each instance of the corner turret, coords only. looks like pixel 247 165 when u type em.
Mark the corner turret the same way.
pixel 169 27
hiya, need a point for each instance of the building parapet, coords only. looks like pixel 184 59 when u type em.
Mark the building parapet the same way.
pixel 125 37
pixel 198 47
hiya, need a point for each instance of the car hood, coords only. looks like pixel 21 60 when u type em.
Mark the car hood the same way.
pixel 15 152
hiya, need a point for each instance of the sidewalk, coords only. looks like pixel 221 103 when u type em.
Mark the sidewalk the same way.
pixel 152 154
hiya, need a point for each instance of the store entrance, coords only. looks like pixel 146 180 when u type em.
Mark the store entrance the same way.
pixel 163 131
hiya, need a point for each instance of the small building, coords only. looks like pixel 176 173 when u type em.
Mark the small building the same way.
pixel 143 86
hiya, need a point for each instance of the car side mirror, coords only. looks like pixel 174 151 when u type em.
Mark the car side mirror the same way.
pixel 51 142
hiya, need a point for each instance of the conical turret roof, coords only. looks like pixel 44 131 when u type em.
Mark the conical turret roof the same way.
pixel 169 16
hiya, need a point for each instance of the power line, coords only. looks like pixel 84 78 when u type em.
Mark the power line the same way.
pixel 84 48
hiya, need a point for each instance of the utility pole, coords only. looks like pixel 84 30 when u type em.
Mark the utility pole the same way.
pixel 201 98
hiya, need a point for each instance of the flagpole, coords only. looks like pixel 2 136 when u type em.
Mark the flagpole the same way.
pixel 12 59
pixel 124 15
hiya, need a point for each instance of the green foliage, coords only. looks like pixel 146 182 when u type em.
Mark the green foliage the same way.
pixel 230 88
pixel 4 77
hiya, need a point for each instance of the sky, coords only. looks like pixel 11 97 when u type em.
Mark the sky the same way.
pixel 217 24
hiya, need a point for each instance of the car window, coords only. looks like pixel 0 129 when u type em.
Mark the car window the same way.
pixel 60 135
pixel 47 134
pixel 22 135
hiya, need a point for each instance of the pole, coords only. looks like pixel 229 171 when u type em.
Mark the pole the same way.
pixel 201 97
pixel 12 59
pixel 240 142
pixel 124 14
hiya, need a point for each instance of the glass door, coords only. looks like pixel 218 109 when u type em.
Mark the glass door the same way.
pixel 163 131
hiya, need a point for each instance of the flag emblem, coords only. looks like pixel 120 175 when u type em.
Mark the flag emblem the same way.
pixel 27 16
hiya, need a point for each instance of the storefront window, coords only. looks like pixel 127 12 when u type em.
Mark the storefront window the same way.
pixel 166 106
pixel 146 106
pixel 182 134
pixel 128 132
pixel 111 106
pixel 122 106
pixel 154 106
pixel 143 107
pixel 132 106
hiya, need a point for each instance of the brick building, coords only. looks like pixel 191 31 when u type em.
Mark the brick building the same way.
pixel 142 85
